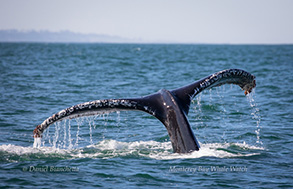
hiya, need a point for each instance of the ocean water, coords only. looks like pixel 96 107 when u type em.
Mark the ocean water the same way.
pixel 246 141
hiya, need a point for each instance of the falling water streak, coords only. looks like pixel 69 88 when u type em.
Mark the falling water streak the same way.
pixel 255 115
pixel 118 118
pixel 94 123
pixel 210 96
pixel 56 135
pixel 118 122
pixel 65 134
pixel 219 92
pixel 90 120
pixel 91 134
pixel 47 137
pixel 105 118
pixel 37 142
pixel 79 121
pixel 198 112
pixel 69 135
pixel 210 104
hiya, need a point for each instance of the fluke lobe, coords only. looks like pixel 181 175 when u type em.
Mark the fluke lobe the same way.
pixel 170 107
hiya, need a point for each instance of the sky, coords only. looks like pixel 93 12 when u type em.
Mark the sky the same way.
pixel 182 21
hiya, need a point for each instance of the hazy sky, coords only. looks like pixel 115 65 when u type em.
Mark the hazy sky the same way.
pixel 205 21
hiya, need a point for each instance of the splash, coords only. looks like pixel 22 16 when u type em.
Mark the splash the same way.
pixel 218 150
pixel 108 149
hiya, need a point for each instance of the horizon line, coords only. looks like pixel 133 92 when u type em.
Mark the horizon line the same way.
pixel 110 39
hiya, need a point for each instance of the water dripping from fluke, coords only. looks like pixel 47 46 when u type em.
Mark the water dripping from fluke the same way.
pixel 255 113
pixel 170 107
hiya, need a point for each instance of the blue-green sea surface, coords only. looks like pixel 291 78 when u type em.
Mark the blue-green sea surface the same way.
pixel 246 141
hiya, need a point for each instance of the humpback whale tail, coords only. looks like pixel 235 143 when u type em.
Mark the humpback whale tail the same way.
pixel 170 107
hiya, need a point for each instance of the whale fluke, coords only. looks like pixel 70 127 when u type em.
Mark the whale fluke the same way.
pixel 170 107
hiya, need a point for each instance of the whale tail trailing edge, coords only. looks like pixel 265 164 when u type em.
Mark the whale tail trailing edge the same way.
pixel 170 107
pixel 243 79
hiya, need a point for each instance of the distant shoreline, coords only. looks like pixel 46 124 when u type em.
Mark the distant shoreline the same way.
pixel 15 36
pixel 56 37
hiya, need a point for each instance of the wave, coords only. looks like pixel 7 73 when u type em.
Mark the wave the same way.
pixel 111 149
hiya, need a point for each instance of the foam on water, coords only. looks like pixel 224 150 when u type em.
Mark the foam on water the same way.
pixel 149 149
